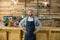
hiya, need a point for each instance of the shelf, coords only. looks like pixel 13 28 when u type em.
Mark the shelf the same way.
pixel 49 13
pixel 4 0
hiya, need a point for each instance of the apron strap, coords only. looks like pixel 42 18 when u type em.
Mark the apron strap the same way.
pixel 33 20
pixel 27 19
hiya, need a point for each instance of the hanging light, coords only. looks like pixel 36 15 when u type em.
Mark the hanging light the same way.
pixel 15 1
pixel 45 3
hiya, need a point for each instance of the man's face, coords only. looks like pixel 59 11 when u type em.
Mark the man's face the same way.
pixel 30 13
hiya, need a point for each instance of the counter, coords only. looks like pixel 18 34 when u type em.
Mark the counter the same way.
pixel 14 33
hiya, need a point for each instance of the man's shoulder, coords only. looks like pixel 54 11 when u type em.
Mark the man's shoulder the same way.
pixel 25 18
pixel 35 17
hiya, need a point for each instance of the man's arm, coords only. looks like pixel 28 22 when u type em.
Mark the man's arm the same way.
pixel 20 25
pixel 21 22
pixel 38 24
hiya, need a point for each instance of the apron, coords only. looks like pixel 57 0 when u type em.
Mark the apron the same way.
pixel 30 28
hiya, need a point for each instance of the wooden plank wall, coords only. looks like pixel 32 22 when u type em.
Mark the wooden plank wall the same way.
pixel 7 7
pixel 4 8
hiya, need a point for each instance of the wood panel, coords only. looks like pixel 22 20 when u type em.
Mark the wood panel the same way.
pixel 14 35
pixel 41 36
pixel 3 35
pixel 55 36
pixel 45 33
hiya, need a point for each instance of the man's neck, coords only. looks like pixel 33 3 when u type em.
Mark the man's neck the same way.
pixel 30 16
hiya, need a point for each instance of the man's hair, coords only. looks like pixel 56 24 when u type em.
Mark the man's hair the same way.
pixel 30 10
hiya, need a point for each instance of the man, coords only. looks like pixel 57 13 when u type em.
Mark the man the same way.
pixel 30 21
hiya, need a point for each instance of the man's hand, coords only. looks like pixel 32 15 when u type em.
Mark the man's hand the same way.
pixel 35 32
pixel 25 31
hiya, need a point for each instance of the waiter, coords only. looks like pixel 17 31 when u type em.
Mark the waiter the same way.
pixel 30 21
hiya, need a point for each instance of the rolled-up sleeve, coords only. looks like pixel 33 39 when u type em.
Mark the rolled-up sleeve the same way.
pixel 21 22
pixel 39 24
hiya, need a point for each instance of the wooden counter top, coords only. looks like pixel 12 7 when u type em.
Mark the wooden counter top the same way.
pixel 14 33
pixel 42 28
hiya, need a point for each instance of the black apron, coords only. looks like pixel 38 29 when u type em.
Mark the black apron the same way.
pixel 30 28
